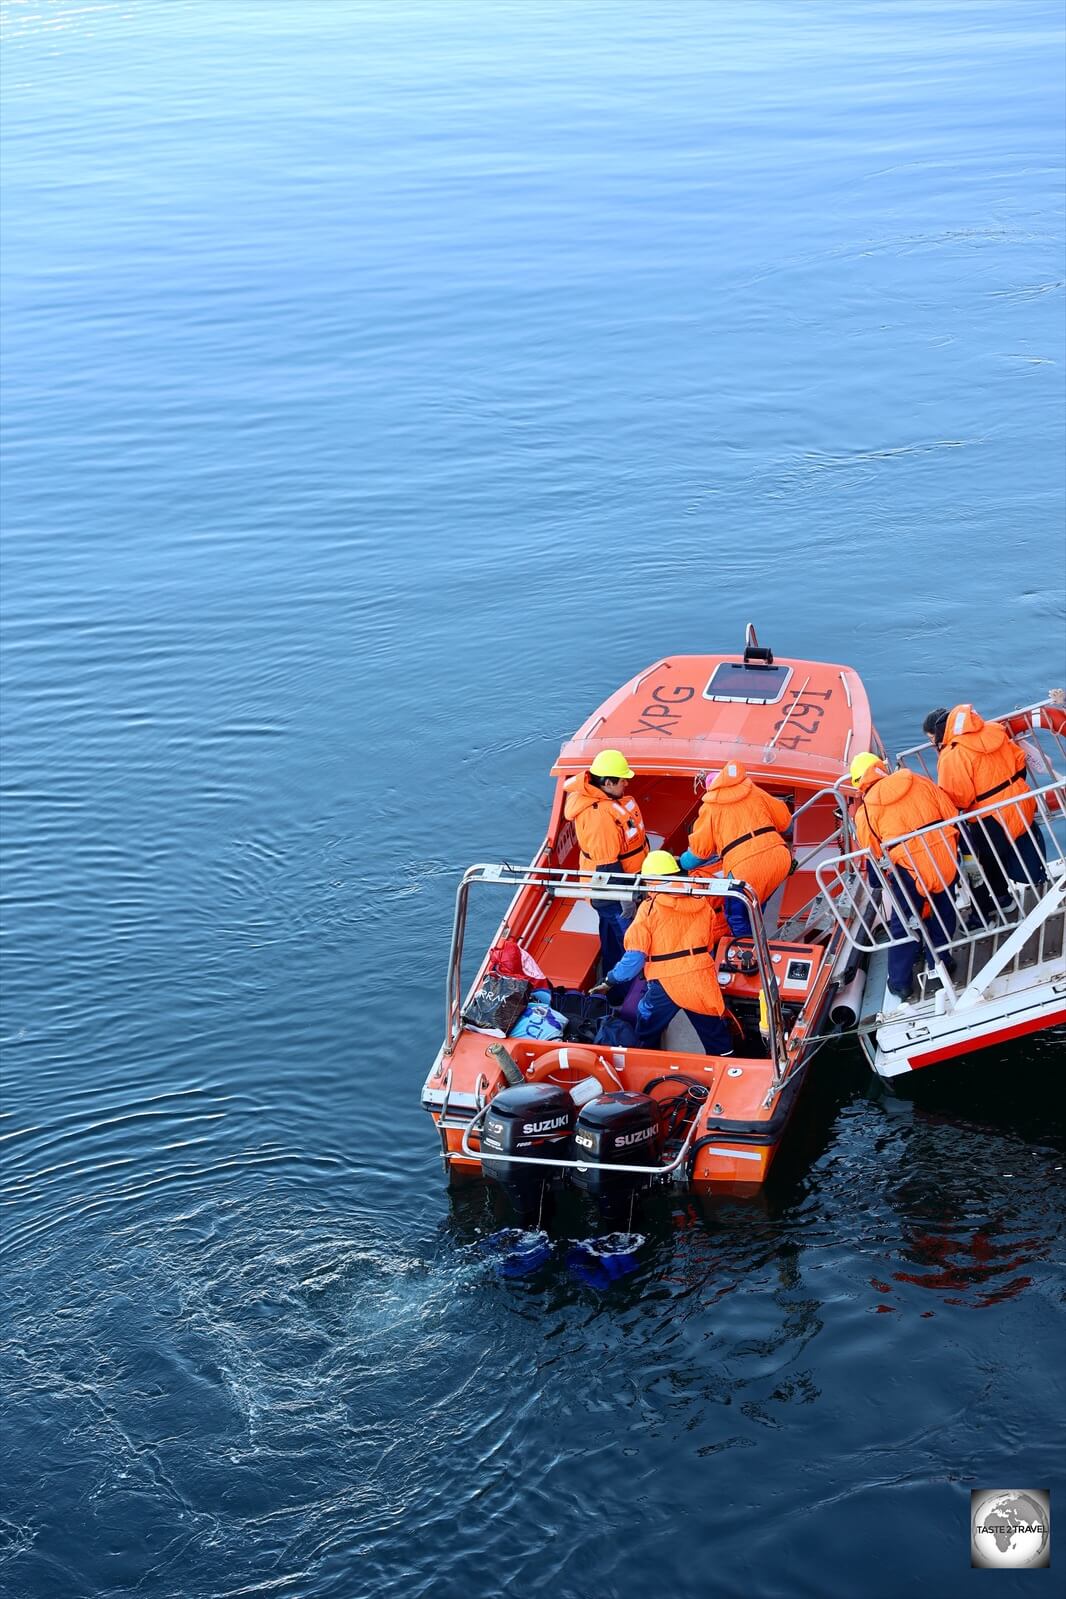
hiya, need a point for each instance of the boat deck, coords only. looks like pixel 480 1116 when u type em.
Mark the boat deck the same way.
pixel 1046 946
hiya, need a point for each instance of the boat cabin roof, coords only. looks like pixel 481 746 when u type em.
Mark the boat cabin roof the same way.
pixel 798 720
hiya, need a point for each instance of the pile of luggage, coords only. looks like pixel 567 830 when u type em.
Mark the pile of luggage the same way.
pixel 515 1000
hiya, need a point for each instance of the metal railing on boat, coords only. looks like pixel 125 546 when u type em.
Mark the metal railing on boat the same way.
pixel 563 883
pixel 1011 919
pixel 810 858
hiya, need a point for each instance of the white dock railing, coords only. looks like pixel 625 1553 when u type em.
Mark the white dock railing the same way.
pixel 1011 916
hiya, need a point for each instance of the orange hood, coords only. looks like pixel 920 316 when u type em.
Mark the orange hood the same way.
pixel 877 774
pixel 731 786
pixel 580 794
pixel 964 724
pixel 892 786
pixel 682 904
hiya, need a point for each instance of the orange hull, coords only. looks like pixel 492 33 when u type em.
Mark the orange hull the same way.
pixel 721 1155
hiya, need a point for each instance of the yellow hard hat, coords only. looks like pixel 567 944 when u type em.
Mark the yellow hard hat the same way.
pixel 660 863
pixel 862 764
pixel 610 763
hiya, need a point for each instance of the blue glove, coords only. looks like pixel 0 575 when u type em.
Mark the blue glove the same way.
pixel 687 861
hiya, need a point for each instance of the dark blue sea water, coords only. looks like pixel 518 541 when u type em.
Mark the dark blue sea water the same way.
pixel 384 383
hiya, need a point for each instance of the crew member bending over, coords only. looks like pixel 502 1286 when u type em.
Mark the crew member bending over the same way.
pixel 742 825
pixel 978 761
pixel 923 870
pixel 610 837
pixel 671 939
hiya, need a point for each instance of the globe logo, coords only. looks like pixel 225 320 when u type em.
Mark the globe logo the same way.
pixel 1010 1528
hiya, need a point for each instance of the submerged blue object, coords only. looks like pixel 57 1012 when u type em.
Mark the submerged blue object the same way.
pixel 517 1251
pixel 598 1262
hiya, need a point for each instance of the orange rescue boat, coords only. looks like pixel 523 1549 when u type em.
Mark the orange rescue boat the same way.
pixel 678 1115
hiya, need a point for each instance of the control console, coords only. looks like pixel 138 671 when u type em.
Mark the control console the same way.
pixel 795 966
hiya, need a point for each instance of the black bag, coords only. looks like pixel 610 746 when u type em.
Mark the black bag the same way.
pixel 498 1003
pixel 583 1012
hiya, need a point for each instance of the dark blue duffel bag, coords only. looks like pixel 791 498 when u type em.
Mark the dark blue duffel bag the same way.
pixel 615 1032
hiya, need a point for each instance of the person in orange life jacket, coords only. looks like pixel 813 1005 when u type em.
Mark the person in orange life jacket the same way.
pixel 610 837
pixel 979 761
pixel 739 826
pixel 672 940
pixel 922 871
pixel 692 866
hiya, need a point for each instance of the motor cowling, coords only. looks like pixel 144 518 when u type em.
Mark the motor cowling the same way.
pixel 620 1130
pixel 533 1119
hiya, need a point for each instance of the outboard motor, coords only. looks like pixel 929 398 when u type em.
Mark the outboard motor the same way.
pixel 533 1119
pixel 623 1130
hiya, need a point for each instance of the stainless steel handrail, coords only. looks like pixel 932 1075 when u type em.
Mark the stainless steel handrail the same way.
pixel 564 883
pixel 784 720
pixel 833 791
pixel 845 840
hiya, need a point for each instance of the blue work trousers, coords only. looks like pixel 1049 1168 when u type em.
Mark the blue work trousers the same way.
pixel 614 918
pixel 939 927
pixel 1000 857
pixel 656 1010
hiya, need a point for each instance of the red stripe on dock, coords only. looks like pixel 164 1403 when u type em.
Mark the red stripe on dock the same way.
pixel 1035 1025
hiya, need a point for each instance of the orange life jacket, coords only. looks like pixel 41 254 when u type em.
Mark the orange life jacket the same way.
pixel 898 802
pixel 980 761
pixel 610 833
pixel 676 935
pixel 742 824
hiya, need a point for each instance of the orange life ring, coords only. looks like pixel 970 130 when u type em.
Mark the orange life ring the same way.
pixel 1051 717
pixel 573 1061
